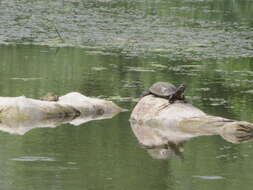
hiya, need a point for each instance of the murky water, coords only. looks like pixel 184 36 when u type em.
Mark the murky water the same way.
pixel 176 29
pixel 124 47
pixel 105 154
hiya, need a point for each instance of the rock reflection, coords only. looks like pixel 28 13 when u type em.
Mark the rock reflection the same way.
pixel 157 145
pixel 22 127
pixel 163 132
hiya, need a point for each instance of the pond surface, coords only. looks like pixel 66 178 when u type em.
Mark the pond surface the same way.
pixel 105 154
pixel 124 46
pixel 176 29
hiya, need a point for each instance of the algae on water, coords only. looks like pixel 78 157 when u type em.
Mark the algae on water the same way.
pixel 172 29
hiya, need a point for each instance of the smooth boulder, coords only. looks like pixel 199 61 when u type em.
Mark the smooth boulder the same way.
pixel 20 114
pixel 157 124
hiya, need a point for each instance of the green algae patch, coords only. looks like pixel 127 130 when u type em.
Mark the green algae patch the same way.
pixel 190 30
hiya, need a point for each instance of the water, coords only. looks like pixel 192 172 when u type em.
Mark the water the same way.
pixel 176 29
pixel 124 47
pixel 105 154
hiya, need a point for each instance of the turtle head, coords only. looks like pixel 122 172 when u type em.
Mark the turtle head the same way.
pixel 182 88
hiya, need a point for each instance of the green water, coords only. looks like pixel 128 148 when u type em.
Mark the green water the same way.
pixel 121 48
pixel 176 29
pixel 105 154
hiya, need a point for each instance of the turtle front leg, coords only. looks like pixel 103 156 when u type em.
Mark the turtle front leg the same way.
pixel 182 97
pixel 172 99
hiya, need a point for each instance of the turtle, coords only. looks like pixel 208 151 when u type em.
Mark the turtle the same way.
pixel 166 90
pixel 50 97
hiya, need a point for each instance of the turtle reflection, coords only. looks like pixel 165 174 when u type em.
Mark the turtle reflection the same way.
pixel 166 151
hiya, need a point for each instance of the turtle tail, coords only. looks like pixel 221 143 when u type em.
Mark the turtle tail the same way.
pixel 145 93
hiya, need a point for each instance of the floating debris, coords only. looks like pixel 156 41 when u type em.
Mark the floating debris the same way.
pixel 218 101
pixel 140 69
pixel 222 156
pixel 98 68
pixel 208 177
pixel 25 79
pixel 122 99
pixel 33 159
pixel 249 91
pixel 159 66
pixel 203 89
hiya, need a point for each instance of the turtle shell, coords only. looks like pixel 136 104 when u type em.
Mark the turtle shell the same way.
pixel 163 89
pixel 50 97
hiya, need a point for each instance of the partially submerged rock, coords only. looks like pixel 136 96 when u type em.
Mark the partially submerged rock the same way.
pixel 20 114
pixel 161 127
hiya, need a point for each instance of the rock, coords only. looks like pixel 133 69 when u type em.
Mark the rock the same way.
pixel 20 114
pixel 156 124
